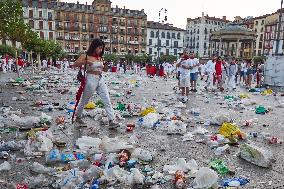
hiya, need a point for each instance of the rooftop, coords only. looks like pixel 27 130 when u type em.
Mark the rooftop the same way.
pixel 157 25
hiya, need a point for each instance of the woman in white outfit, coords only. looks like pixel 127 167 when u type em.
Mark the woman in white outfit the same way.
pixel 95 81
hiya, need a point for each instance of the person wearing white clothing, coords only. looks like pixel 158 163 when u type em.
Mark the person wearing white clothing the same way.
pixel 232 71
pixel 65 65
pixel 194 64
pixel 10 63
pixel 184 77
pixel 3 65
pixel 44 64
pixel 210 70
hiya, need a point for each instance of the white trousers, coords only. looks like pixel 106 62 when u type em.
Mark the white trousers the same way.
pixel 209 83
pixel 95 83
pixel 232 82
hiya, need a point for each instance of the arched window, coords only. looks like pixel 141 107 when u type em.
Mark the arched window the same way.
pixel 157 34
pixel 163 35
pixel 178 35
pixel 168 35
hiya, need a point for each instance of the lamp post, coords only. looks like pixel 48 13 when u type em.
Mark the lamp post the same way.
pixel 164 20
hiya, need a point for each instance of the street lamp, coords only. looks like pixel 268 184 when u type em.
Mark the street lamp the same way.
pixel 164 20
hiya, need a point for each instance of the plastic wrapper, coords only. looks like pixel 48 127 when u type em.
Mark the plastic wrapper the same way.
pixel 205 178
pixel 256 155
pixel 176 127
pixel 181 165
pixel 5 166
pixel 39 168
pixel 28 121
pixel 147 111
pixel 52 156
pixel 89 144
pixel 114 145
pixel 141 154
pixel 90 106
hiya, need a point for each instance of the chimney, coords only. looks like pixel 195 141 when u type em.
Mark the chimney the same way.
pixel 202 14
pixel 224 18
pixel 86 3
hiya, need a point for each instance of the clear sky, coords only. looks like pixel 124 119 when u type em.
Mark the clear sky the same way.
pixel 179 10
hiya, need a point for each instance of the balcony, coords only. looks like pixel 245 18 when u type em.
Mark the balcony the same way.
pixel 84 30
pixel 85 38
pixel 67 28
pixel 106 40
pixel 133 42
pixel 114 22
pixel 49 18
pixel 113 31
pixel 58 18
pixel 76 28
pixel 91 29
pixel 67 38
pixel 121 41
pixel 59 38
pixel 122 23
pixel 102 31
pixel 59 27
pixel 122 32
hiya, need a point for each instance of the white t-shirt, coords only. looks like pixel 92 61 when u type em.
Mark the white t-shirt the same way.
pixel 193 62
pixel 202 68
pixel 210 67
pixel 184 72
pixel 178 68
pixel 243 67
pixel 44 63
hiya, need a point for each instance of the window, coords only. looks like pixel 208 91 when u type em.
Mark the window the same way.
pixel 178 35
pixel 168 35
pixel 197 45
pixel 157 34
pixel 205 45
pixel 41 25
pixel 262 22
pixel 31 13
pixel 261 30
pixel 256 23
pixel 159 42
pixel 175 51
pixel 84 27
pixel 198 31
pixel 173 35
pixel 163 35
pixel 205 31
pixel 259 52
pixel 50 35
pixel 67 25
pixel 260 45
pixel 261 37
pixel 50 25
pixel 150 51
pixel 152 34
pixel 150 41
pixel 167 51
pixel 41 34
pixel 49 14
pixel 40 14
pixel 176 44
pixel 255 30
pixel 31 23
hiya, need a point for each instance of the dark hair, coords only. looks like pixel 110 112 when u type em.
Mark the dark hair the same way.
pixel 95 44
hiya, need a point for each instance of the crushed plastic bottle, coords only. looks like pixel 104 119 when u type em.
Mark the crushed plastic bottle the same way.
pixel 221 150
pixel 205 178
pixel 234 182
pixel 39 168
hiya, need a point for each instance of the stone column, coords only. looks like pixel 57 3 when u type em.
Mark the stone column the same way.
pixel 228 48
pixel 220 47
pixel 252 49
pixel 237 48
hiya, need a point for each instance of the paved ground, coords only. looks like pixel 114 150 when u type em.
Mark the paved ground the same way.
pixel 166 147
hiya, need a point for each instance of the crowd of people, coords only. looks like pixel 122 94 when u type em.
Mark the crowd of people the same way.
pixel 216 73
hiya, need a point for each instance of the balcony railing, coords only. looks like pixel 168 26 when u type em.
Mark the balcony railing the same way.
pixel 122 23
pixel 59 37
pixel 121 41
pixel 122 32
pixel 114 41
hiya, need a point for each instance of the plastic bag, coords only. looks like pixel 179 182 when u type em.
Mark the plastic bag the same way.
pixel 141 154
pixel 94 172
pixel 181 165
pixel 205 178
pixel 267 92
pixel 220 118
pixel 229 130
pixel 45 119
pixel 6 166
pixel 90 106
pixel 89 144
pixel 52 156
pixel 234 182
pixel 261 110
pixel 39 168
pixel 258 156
pixel 176 127
pixel 114 145
pixel 219 166
pixel 149 120
pixel 147 111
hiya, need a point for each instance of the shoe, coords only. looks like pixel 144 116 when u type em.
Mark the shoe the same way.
pixel 113 125
pixel 80 122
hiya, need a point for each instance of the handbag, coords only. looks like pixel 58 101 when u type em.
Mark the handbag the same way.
pixel 80 74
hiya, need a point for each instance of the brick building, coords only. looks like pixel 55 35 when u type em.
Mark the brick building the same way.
pixel 123 30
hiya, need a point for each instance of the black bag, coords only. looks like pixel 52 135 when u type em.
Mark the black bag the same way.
pixel 80 74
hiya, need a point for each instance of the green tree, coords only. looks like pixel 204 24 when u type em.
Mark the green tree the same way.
pixel 168 58
pixel 129 58
pixel 111 58
pixel 259 59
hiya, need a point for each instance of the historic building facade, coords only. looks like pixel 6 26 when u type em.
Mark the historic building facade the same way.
pixel 123 30
pixel 171 39
pixel 198 31
pixel 40 17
